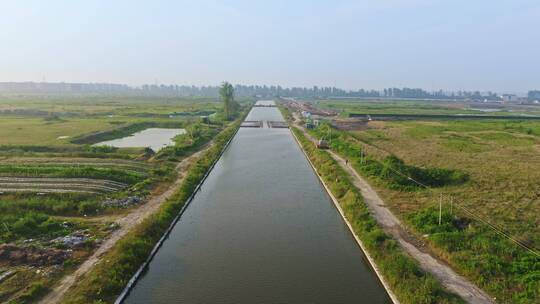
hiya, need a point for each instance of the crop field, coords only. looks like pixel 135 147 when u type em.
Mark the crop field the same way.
pixel 501 158
pixel 345 107
pixel 484 173
pixel 102 105
pixel 60 195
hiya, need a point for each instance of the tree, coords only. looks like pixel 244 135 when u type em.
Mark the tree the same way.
pixel 194 131
pixel 226 91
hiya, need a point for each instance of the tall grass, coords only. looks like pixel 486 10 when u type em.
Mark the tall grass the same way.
pixel 119 175
pixel 498 265
pixel 392 171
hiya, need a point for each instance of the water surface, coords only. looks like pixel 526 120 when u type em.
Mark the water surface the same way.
pixel 261 230
pixel 154 138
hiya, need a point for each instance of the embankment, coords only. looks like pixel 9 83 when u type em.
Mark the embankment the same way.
pixel 117 268
pixel 405 280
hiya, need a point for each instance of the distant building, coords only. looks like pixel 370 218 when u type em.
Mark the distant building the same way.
pixel 534 95
pixel 510 98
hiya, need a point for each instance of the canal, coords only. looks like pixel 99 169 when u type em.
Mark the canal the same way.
pixel 261 230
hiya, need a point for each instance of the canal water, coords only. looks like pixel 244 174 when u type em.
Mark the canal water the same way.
pixel 261 230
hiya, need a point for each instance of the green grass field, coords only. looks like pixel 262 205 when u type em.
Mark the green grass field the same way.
pixel 501 160
pixel 366 106
pixel 46 158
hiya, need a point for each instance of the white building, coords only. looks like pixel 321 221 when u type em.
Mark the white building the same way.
pixel 509 98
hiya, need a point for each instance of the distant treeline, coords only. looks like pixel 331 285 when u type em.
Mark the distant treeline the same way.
pixel 240 90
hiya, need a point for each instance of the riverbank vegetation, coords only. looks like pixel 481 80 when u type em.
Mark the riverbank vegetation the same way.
pixel 484 172
pixel 105 282
pixel 390 170
pixel 406 279
pixel 60 196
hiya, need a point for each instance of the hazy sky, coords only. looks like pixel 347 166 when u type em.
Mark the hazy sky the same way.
pixel 448 44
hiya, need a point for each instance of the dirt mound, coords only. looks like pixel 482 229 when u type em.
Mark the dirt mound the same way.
pixel 12 255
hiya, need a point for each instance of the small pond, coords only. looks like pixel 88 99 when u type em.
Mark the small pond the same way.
pixel 154 138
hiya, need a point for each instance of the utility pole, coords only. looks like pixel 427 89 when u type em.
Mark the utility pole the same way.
pixel 361 155
pixel 451 204
pixel 329 135
pixel 440 209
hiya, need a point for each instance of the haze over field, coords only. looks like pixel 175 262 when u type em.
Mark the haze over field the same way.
pixel 469 45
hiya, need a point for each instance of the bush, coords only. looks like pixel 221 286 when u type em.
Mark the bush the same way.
pixel 89 208
pixel 19 226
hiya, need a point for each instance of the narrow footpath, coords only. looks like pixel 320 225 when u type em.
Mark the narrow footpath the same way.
pixel 393 226
pixel 126 224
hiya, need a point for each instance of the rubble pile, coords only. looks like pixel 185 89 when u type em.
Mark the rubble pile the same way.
pixel 122 202
pixel 76 239
pixel 12 255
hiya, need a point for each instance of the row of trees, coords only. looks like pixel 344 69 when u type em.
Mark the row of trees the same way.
pixel 419 93
pixel 242 90
pixel 315 91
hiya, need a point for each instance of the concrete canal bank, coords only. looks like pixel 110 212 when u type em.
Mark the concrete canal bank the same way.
pixel 261 229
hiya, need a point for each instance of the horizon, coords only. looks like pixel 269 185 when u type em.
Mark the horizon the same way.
pixel 380 90
pixel 433 45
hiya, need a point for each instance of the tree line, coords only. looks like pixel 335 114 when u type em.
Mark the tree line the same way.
pixel 244 90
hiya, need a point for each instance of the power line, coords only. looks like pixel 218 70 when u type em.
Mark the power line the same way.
pixel 498 230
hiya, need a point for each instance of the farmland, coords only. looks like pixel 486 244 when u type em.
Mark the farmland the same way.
pixel 60 195
pixel 484 173
pixel 346 107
